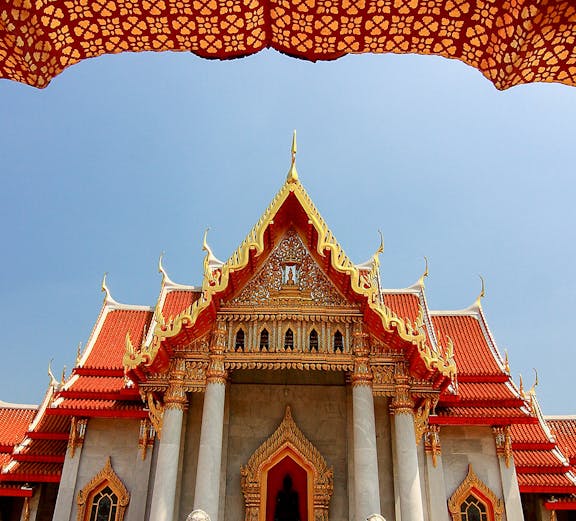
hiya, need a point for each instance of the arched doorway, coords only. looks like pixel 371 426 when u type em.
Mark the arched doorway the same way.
pixel 287 452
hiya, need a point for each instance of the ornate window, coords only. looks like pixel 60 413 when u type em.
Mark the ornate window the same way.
pixel 289 340
pixel 313 340
pixel 474 501
pixel 264 340
pixel 239 341
pixel 105 498
pixel 338 342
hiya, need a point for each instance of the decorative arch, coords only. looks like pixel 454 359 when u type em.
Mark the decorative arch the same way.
pixel 105 479
pixel 240 339
pixel 264 338
pixel 287 441
pixel 473 493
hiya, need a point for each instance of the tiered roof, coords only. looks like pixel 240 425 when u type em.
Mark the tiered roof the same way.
pixel 33 440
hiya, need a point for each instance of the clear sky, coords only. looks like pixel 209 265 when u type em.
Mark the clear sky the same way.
pixel 123 157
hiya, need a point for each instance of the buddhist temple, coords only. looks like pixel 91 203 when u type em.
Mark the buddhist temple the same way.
pixel 288 386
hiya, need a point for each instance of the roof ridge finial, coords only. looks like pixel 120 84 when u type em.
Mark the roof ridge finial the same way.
pixel 380 249
pixel 425 274
pixel 108 298
pixel 482 292
pixel 535 384
pixel 292 173
pixel 165 277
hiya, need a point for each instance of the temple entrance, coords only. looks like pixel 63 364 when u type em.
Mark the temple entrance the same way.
pixel 287 479
pixel 287 492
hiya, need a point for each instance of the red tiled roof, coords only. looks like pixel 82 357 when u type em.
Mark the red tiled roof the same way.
pixel 108 349
pixel 558 481
pixel 177 301
pixel 405 305
pixel 538 458
pixel 471 350
pixel 486 391
pixel 107 407
pixel 484 413
pixel 14 422
pixel 530 435
pixel 98 384
pixel 565 431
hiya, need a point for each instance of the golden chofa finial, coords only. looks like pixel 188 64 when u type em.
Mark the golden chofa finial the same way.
pixel 292 176
pixel 482 291
pixel 535 384
pixel 380 249
pixel 425 274
pixel 108 296
pixel 506 362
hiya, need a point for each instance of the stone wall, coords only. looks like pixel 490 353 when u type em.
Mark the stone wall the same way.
pixel 257 403
pixel 118 439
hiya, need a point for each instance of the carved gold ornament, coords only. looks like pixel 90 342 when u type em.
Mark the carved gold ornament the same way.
pixel 473 486
pixel 155 413
pixel 421 419
pixel 105 478
pixel 77 433
pixel 363 281
pixel 503 441
pixel 432 443
pixel 287 440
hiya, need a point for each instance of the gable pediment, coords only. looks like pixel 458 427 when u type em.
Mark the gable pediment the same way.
pixel 289 277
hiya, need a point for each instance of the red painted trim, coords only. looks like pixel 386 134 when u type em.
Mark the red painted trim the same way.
pixel 6 448
pixel 471 420
pixel 539 489
pixel 458 401
pixel 39 458
pixel 62 436
pixel 93 371
pixel 533 446
pixel 30 477
pixel 484 378
pixel 97 413
pixel 16 492
pixel 569 504
pixel 124 395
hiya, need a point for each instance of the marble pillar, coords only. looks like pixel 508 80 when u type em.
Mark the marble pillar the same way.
pixel 510 489
pixel 366 484
pixel 207 492
pixel 409 485
pixel 366 481
pixel 66 500
pixel 165 480
pixel 435 473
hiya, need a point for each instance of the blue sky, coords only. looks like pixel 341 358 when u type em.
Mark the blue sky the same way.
pixel 123 157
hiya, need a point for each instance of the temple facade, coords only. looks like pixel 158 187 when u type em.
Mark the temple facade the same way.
pixel 289 386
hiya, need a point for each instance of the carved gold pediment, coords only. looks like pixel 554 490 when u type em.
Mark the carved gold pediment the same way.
pixel 287 440
pixel 289 274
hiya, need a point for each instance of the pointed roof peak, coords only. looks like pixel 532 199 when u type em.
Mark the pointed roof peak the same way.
pixel 292 176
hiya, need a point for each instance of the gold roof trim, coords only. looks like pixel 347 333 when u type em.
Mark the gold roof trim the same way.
pixel 364 282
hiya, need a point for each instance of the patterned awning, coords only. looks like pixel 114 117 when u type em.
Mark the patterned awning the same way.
pixel 509 41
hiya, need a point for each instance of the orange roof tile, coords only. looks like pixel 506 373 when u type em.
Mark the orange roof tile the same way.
pixel 538 458
pixel 491 415
pixel 542 481
pixel 177 301
pixel 471 349
pixel 529 434
pixel 98 384
pixel 486 391
pixel 14 422
pixel 405 305
pixel 108 348
pixel 565 431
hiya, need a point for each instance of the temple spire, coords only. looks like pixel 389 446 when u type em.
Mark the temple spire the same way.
pixel 292 176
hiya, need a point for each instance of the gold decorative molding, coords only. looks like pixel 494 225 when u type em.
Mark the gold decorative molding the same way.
pixel 421 419
pixel 432 444
pixel 363 280
pixel 503 440
pixel 287 440
pixel 106 477
pixel 474 486
pixel 77 433
pixel 155 412
pixel 26 509
pixel 362 375
pixel 146 437
pixel 402 402
pixel 216 372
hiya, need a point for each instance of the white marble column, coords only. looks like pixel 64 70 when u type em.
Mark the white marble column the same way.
pixel 165 479
pixel 411 507
pixel 512 501
pixel 207 492
pixel 65 508
pixel 366 482
pixel 435 472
